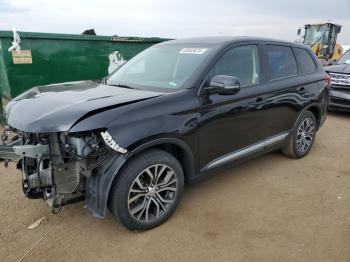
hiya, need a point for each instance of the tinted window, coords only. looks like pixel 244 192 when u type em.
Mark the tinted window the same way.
pixel 307 64
pixel 280 62
pixel 241 62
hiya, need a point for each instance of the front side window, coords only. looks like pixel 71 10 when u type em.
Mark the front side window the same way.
pixel 163 66
pixel 280 62
pixel 241 62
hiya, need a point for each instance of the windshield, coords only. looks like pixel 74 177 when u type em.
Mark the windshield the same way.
pixel 316 34
pixel 345 59
pixel 163 66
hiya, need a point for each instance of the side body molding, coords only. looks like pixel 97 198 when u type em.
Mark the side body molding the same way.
pixel 260 146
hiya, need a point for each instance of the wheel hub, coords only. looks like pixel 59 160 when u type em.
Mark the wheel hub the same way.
pixel 152 191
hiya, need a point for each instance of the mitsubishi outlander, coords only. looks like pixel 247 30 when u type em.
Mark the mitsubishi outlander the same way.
pixel 172 114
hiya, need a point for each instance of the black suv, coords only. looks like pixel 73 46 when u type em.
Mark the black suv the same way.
pixel 172 114
pixel 340 89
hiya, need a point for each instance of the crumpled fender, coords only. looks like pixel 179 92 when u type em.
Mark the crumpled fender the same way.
pixel 98 185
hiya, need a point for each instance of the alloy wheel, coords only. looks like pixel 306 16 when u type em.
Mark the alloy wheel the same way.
pixel 152 193
pixel 305 135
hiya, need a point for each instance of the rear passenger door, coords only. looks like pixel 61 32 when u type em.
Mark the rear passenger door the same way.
pixel 283 90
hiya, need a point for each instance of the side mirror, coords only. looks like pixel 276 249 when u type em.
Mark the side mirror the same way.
pixel 299 31
pixel 223 85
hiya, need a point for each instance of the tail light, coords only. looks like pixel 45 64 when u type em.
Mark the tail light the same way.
pixel 328 81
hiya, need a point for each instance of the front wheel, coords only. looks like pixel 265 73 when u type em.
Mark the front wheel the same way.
pixel 147 191
pixel 302 137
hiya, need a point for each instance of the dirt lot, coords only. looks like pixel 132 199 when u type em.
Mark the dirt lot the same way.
pixel 269 209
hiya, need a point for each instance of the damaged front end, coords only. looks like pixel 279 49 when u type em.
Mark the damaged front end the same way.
pixel 55 166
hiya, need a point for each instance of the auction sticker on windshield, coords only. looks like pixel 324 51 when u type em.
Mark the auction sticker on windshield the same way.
pixel 191 50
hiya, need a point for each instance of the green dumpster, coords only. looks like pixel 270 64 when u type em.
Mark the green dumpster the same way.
pixel 44 58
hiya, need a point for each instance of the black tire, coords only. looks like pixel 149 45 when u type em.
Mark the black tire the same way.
pixel 293 148
pixel 133 177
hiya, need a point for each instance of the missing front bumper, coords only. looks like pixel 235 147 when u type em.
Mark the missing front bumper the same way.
pixel 8 153
pixel 63 169
pixel 15 151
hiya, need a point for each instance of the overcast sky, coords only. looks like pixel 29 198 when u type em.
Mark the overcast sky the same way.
pixel 176 18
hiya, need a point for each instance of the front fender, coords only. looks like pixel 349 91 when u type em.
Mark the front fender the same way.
pixel 187 159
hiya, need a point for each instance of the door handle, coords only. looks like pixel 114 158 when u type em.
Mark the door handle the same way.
pixel 303 92
pixel 259 102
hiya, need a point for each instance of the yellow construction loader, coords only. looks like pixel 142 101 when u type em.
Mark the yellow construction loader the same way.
pixel 322 38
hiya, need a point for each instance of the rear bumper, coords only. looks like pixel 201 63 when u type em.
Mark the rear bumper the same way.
pixel 339 101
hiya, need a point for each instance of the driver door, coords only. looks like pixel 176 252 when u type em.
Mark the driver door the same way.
pixel 230 123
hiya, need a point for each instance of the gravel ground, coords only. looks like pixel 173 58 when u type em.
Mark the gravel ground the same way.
pixel 269 209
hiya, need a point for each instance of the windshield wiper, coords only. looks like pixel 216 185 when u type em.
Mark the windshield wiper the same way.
pixel 122 85
pixel 101 81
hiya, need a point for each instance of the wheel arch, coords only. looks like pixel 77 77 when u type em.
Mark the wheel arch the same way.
pixel 98 186
pixel 177 148
pixel 316 110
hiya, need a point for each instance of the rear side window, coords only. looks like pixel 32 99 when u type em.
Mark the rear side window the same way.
pixel 280 62
pixel 306 63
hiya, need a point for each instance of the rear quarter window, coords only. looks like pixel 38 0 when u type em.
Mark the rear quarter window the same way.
pixel 280 62
pixel 306 62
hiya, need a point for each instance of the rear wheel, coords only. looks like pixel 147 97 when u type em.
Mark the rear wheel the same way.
pixel 302 137
pixel 147 190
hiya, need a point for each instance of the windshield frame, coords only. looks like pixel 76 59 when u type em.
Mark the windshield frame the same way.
pixel 189 83
pixel 347 53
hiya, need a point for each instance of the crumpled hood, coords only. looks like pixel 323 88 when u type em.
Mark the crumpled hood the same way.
pixel 56 108
pixel 341 69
